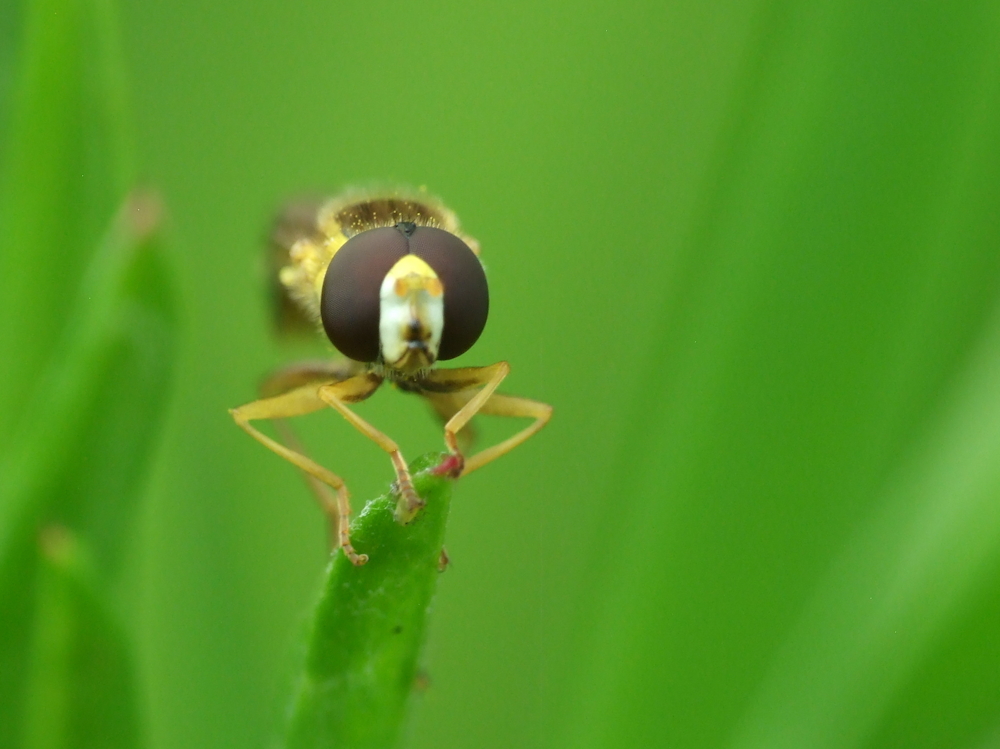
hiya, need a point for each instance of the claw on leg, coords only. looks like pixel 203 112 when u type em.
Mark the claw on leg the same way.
pixel 338 512
pixel 409 504
pixel 451 466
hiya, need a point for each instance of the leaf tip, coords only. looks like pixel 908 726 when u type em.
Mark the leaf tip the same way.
pixel 142 214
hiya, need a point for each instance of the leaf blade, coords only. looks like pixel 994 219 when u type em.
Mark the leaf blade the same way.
pixel 81 688
pixel 81 464
pixel 64 167
pixel 369 625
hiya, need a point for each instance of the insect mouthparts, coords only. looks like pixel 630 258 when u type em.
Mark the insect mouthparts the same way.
pixel 407 227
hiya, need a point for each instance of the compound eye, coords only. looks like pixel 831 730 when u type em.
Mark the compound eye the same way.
pixel 466 295
pixel 349 304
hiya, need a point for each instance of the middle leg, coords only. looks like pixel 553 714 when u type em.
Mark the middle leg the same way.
pixel 298 402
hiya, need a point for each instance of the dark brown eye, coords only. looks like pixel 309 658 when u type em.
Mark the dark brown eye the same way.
pixel 466 295
pixel 349 305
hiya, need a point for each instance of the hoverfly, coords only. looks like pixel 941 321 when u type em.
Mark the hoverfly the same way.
pixel 396 287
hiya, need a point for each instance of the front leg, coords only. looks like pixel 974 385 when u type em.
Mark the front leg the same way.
pixel 409 501
pixel 485 401
pixel 300 374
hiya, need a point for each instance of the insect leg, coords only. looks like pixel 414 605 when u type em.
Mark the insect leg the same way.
pixel 446 405
pixel 509 405
pixel 298 402
pixel 485 401
pixel 337 396
pixel 303 373
pixel 336 507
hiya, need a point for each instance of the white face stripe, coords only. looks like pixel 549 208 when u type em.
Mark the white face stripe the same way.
pixel 407 301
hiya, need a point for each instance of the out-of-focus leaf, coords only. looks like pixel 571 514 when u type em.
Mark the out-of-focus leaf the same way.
pixel 844 268
pixel 368 628
pixel 10 47
pixel 101 475
pixel 80 684
pixel 95 417
pixel 907 572
pixel 121 325
pixel 65 165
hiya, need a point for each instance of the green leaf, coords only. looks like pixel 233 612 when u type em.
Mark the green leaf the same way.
pixel 65 166
pixel 368 627
pixel 10 47
pixel 87 344
pixel 814 488
pixel 118 343
pixel 95 417
pixel 80 691
pixel 100 478
pixel 907 573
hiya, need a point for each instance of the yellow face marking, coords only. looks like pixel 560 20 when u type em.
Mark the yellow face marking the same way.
pixel 411 274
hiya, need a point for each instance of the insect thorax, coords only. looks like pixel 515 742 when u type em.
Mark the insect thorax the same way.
pixel 308 246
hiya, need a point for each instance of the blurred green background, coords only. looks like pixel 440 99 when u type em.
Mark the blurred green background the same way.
pixel 751 254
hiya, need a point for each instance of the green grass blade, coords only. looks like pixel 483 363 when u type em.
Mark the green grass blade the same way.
pixel 95 418
pixel 65 165
pixel 906 574
pixel 369 625
pixel 10 47
pixel 844 268
pixel 87 348
pixel 101 475
pixel 80 692
pixel 122 322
